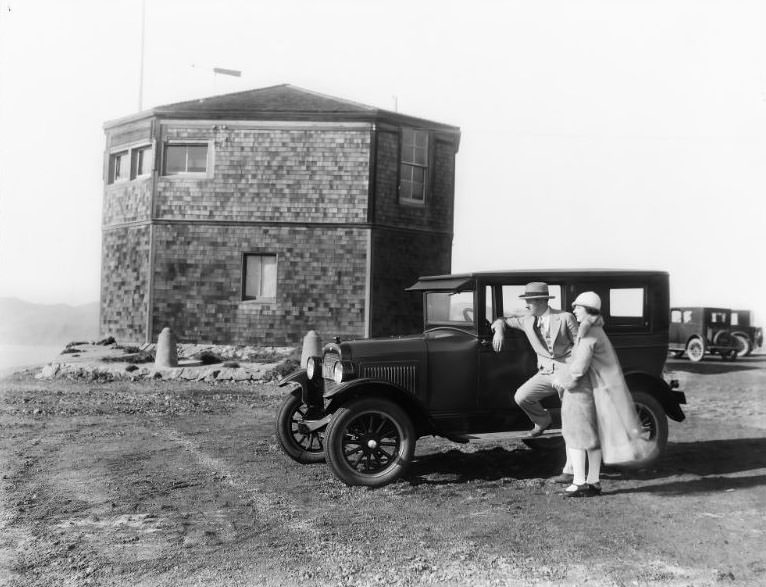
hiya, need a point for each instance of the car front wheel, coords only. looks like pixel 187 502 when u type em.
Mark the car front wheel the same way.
pixel 369 441
pixel 299 444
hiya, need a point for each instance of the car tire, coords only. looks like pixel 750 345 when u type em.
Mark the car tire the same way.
pixel 695 350
pixel 654 427
pixel 306 448
pixel 745 348
pixel 369 441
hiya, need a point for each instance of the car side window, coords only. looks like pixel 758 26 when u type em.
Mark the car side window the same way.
pixel 688 316
pixel 450 308
pixel 675 316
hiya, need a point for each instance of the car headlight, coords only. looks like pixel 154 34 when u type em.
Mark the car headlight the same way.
pixel 313 367
pixel 342 371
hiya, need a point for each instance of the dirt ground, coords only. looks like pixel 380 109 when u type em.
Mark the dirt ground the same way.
pixel 183 483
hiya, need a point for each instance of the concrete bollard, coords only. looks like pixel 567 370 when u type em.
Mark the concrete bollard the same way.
pixel 312 347
pixel 166 354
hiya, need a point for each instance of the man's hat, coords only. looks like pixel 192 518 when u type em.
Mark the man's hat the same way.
pixel 536 290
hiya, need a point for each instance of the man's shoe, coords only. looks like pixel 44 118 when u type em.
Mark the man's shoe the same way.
pixel 595 488
pixel 538 430
pixel 564 478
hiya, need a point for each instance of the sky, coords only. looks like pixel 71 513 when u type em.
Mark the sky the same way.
pixel 601 133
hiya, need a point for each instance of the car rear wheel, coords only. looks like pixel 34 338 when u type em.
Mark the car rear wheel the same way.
pixel 695 350
pixel 299 444
pixel 370 441
pixel 654 427
pixel 745 348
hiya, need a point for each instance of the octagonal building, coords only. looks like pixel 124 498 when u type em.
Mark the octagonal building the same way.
pixel 253 217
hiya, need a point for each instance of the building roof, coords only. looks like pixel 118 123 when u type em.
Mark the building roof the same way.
pixel 282 102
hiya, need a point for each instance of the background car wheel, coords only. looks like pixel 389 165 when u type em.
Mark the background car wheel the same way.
pixel 304 447
pixel 370 441
pixel 654 427
pixel 745 348
pixel 695 350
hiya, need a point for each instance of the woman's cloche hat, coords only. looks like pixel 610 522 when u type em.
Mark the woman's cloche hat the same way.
pixel 589 299
pixel 536 290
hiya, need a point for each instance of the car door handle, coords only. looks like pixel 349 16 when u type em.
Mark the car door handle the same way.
pixel 485 342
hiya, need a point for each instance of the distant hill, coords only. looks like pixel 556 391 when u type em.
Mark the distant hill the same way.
pixel 25 323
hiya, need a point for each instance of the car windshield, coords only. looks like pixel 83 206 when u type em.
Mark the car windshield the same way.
pixel 449 308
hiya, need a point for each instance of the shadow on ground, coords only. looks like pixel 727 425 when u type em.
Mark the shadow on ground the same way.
pixel 712 459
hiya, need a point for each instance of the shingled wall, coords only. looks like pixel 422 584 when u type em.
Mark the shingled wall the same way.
pixel 321 280
pixel 125 282
pixel 399 258
pixel 273 174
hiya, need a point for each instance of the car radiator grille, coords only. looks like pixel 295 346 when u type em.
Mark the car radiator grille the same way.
pixel 403 375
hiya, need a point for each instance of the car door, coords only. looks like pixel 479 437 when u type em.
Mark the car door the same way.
pixel 502 373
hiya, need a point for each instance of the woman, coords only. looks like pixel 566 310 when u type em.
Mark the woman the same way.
pixel 597 413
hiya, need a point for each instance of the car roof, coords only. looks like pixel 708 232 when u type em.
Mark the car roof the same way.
pixel 458 281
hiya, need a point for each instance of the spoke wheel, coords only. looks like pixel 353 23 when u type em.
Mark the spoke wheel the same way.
pixel 370 441
pixel 654 427
pixel 695 350
pixel 302 446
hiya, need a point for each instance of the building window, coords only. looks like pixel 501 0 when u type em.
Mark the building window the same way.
pixel 141 161
pixel 182 158
pixel 413 169
pixel 259 281
pixel 118 166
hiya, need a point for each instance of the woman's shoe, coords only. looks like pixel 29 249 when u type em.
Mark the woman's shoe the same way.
pixel 583 490
pixel 595 488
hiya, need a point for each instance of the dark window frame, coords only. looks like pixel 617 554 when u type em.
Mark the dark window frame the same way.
pixel 139 155
pixel 409 161
pixel 186 173
pixel 118 160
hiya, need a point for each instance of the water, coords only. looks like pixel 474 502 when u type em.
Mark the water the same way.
pixel 17 356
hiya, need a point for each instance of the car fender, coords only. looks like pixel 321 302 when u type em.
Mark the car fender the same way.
pixel 658 388
pixel 342 393
pixel 311 393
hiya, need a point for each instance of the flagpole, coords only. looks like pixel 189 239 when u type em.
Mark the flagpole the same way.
pixel 141 73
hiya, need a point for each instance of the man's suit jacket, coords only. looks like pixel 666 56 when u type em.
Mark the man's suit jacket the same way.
pixel 562 328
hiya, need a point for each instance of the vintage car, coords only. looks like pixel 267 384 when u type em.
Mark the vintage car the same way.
pixel 699 331
pixel 363 404
pixel 750 337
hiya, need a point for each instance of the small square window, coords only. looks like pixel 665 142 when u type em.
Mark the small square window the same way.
pixel 141 161
pixel 119 167
pixel 688 316
pixel 259 280
pixel 675 316
pixel 185 158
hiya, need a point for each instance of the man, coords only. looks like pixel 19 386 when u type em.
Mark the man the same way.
pixel 551 334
